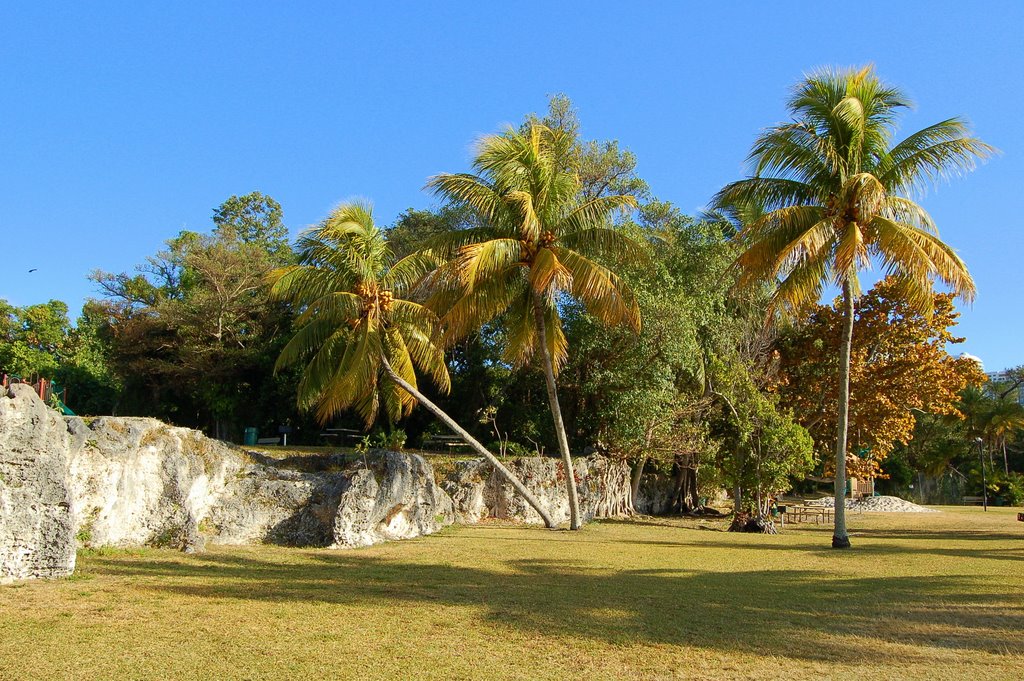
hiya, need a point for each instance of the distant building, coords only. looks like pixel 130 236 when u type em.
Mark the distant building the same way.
pixel 1004 378
pixel 977 360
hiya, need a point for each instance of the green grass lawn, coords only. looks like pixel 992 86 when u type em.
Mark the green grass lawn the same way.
pixel 929 596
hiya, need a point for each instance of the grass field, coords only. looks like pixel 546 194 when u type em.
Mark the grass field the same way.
pixel 927 596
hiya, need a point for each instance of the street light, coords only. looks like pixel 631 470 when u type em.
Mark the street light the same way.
pixel 984 483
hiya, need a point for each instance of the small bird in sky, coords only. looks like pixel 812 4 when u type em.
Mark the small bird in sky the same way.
pixel 33 270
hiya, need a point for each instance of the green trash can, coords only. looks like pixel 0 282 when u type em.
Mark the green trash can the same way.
pixel 251 435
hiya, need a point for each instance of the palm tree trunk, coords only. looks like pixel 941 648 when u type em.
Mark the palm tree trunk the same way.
pixel 556 413
pixel 840 539
pixel 472 442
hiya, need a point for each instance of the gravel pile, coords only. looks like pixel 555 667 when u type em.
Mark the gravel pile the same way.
pixel 875 504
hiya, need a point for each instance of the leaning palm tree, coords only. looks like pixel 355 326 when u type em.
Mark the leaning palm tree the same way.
pixel 537 241
pixel 358 326
pixel 835 194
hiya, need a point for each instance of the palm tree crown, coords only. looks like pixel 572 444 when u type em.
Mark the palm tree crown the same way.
pixel 536 240
pixel 355 314
pixel 835 193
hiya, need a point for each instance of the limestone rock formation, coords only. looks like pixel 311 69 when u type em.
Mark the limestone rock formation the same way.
pixel 37 535
pixel 396 497
pixel 136 481
pixel 478 492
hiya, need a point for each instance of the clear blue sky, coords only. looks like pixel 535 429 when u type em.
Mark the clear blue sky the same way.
pixel 123 123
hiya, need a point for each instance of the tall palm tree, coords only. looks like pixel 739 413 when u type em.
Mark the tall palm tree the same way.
pixel 835 194
pixel 357 325
pixel 537 241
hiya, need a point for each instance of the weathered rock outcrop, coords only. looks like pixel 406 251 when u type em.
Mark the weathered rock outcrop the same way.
pixel 136 481
pixel 37 536
pixel 395 498
pixel 478 492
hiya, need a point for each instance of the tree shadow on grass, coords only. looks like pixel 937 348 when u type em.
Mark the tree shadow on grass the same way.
pixel 796 613
pixel 882 551
pixel 942 535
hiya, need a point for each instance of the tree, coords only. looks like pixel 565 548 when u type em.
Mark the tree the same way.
pixel 994 415
pixel 33 339
pixel 834 192
pixel 254 219
pixel 764 447
pixel 640 396
pixel 899 368
pixel 193 334
pixel 357 324
pixel 538 242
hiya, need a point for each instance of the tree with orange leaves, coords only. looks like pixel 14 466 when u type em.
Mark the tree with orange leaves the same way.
pixel 899 365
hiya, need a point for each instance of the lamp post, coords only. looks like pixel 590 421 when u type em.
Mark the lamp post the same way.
pixel 984 483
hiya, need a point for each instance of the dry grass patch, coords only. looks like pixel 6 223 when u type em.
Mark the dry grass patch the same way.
pixel 927 596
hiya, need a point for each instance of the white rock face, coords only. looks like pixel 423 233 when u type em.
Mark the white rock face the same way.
pixel 395 498
pixel 478 492
pixel 137 481
pixel 37 535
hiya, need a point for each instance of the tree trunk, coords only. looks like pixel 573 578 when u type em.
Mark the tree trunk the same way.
pixel 638 471
pixel 575 522
pixel 638 474
pixel 471 441
pixel 1006 460
pixel 840 539
pixel 687 499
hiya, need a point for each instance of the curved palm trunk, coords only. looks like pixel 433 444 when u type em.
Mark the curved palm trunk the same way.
pixel 472 442
pixel 575 522
pixel 840 539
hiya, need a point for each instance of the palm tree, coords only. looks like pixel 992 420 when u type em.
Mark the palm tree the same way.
pixel 994 417
pixel 357 325
pixel 538 240
pixel 835 193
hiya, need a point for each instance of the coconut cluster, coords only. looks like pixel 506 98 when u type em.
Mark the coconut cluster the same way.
pixel 372 298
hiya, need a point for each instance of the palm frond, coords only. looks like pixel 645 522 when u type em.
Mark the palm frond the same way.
pixel 931 155
pixel 479 262
pixel 602 291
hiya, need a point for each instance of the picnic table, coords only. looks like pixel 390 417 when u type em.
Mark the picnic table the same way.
pixel 450 441
pixel 803 514
pixel 340 435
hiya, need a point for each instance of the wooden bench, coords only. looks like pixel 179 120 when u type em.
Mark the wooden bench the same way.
pixel 449 441
pixel 269 441
pixel 975 501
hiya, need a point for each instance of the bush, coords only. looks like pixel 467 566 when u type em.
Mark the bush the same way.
pixel 1007 490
